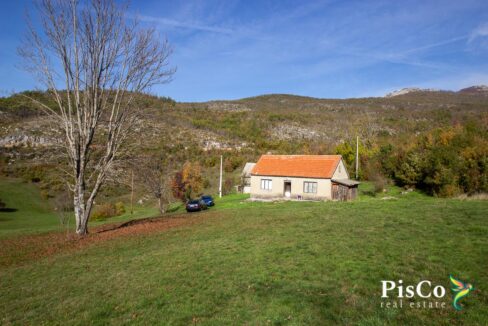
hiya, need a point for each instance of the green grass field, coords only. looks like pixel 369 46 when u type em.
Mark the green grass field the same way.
pixel 265 263
pixel 31 214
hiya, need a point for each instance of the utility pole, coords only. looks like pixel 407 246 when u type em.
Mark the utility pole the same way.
pixel 357 156
pixel 132 192
pixel 220 180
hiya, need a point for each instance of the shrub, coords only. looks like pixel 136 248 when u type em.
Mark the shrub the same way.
pixel 107 210
pixel 2 204
pixel 347 152
pixel 232 163
pixel 379 183
pixel 228 186
pixel 119 208
pixel 443 162
pixel 211 161
pixel 206 183
pixel 449 190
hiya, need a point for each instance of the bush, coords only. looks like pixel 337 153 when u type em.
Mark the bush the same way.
pixel 2 204
pixel 379 183
pixel 119 208
pixel 211 161
pixel 206 183
pixel 449 190
pixel 443 162
pixel 232 163
pixel 34 173
pixel 228 187
pixel 107 210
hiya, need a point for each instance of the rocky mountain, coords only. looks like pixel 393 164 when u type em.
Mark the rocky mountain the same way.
pixel 240 124
pixel 409 90
pixel 472 90
pixel 475 90
pixel 242 130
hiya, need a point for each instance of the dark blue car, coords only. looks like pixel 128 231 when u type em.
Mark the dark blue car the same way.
pixel 195 205
pixel 208 200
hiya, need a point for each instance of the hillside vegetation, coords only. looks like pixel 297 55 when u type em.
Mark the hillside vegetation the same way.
pixel 244 262
pixel 398 127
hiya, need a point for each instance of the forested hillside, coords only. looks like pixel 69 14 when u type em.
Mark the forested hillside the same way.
pixel 433 140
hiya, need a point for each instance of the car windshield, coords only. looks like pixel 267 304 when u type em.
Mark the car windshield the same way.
pixel 206 197
pixel 193 202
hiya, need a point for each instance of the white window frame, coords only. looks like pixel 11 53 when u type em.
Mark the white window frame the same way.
pixel 266 184
pixel 309 187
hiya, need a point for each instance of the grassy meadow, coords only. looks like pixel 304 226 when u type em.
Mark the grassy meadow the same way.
pixel 244 262
pixel 30 214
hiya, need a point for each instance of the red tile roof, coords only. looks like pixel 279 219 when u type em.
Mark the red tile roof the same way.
pixel 309 166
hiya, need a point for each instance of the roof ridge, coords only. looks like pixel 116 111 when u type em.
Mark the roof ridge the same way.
pixel 306 155
pixel 314 166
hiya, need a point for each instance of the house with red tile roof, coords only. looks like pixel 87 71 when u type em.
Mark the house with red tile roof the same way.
pixel 307 177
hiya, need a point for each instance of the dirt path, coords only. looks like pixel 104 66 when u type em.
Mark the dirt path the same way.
pixel 22 249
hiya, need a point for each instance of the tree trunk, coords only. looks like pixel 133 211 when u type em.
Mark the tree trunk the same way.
pixel 81 217
pixel 162 209
pixel 82 225
pixel 82 210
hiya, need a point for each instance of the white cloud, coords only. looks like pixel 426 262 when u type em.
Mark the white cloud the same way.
pixel 182 24
pixel 480 31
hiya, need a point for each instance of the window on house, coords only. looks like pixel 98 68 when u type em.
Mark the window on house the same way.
pixel 339 168
pixel 266 184
pixel 310 187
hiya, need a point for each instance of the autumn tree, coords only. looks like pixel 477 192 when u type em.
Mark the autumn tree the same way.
pixel 188 182
pixel 346 150
pixel 94 62
pixel 178 187
pixel 192 178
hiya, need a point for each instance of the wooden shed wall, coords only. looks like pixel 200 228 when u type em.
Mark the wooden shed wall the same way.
pixel 343 193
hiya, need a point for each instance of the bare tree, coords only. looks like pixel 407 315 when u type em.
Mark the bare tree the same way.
pixel 155 174
pixel 94 62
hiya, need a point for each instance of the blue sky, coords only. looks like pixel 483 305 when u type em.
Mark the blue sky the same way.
pixel 330 49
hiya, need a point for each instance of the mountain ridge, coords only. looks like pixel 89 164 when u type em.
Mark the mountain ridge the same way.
pixel 474 90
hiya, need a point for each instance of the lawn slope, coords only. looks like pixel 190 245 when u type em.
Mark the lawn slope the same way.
pixel 28 213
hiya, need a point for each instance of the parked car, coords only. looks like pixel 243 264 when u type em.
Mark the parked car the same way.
pixel 209 201
pixel 195 205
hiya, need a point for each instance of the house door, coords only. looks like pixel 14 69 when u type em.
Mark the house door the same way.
pixel 287 189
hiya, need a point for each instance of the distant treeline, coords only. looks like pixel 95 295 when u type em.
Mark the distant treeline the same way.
pixel 23 104
pixel 426 141
pixel 443 162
